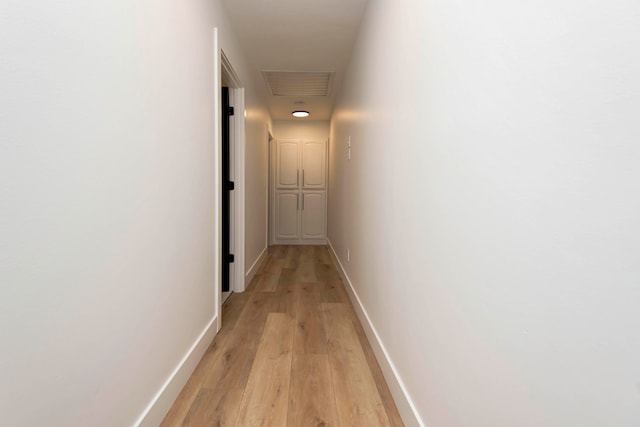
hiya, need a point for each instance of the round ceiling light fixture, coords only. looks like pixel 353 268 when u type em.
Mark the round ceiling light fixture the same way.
pixel 300 113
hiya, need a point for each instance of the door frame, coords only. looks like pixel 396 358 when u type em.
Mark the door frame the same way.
pixel 237 152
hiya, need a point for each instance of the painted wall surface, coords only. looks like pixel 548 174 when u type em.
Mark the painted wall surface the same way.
pixel 107 202
pixel 257 183
pixel 491 206
pixel 301 129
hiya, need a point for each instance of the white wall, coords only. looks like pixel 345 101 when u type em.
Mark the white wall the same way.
pixel 257 183
pixel 491 206
pixel 107 192
pixel 315 130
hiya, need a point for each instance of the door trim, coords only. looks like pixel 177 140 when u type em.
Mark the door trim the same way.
pixel 237 142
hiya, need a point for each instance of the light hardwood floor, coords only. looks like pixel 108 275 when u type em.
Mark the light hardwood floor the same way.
pixel 291 352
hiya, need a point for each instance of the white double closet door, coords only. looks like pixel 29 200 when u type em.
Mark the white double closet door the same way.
pixel 300 191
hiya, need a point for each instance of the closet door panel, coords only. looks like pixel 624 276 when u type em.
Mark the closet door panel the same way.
pixel 314 223
pixel 287 215
pixel 314 166
pixel 287 167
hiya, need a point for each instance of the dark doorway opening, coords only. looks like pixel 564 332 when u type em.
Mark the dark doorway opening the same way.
pixel 227 188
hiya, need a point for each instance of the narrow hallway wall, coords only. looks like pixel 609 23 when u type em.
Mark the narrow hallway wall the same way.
pixel 257 185
pixel 490 207
pixel 301 129
pixel 108 172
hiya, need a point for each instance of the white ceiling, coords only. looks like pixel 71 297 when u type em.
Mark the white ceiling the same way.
pixel 297 35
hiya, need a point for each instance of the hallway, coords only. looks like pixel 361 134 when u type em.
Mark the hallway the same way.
pixel 480 199
pixel 291 351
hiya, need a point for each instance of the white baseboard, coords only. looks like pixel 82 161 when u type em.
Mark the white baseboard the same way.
pixel 403 400
pixel 255 267
pixel 159 406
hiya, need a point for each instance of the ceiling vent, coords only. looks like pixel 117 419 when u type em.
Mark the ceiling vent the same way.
pixel 298 83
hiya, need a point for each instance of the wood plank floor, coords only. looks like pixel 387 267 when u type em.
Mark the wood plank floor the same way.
pixel 291 352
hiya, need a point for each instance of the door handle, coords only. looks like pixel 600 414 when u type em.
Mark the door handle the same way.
pixel 303 177
pixel 302 195
pixel 298 201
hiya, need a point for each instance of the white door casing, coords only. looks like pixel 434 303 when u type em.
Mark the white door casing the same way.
pixel 237 170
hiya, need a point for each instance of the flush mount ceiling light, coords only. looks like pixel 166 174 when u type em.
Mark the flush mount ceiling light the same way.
pixel 300 113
